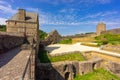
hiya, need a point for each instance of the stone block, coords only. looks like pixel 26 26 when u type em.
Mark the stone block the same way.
pixel 114 67
pixel 85 67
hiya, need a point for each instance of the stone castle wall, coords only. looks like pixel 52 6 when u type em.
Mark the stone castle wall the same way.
pixel 8 42
pixel 21 27
pixel 112 31
pixel 65 70
pixel 113 48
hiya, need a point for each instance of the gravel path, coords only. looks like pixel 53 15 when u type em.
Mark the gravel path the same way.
pixel 12 64
pixel 63 48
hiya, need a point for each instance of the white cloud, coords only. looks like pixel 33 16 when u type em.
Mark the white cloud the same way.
pixel 2 20
pixel 6 7
pixel 100 14
pixel 32 9
pixel 55 2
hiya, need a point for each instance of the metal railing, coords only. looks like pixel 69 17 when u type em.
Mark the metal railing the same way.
pixel 29 71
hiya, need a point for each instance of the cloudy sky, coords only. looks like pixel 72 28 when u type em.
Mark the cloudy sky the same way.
pixel 67 16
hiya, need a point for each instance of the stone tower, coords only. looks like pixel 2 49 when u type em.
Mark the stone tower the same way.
pixel 100 27
pixel 21 14
pixel 24 23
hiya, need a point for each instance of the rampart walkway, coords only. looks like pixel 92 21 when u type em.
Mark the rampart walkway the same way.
pixel 12 64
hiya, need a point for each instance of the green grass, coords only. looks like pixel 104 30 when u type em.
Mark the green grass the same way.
pixel 99 74
pixel 66 41
pixel 108 39
pixel 46 58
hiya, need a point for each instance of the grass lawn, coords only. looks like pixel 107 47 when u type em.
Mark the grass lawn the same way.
pixel 45 57
pixel 99 74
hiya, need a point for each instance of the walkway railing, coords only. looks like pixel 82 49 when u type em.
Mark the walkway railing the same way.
pixel 29 72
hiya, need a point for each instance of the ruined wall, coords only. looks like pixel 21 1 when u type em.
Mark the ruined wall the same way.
pixel 112 31
pixel 52 38
pixel 113 48
pixel 65 70
pixel 8 42
pixel 114 67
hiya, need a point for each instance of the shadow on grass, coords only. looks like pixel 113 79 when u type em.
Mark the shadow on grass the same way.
pixel 45 70
pixel 50 49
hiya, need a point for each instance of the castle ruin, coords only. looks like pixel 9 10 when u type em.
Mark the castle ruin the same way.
pixel 24 23
pixel 100 28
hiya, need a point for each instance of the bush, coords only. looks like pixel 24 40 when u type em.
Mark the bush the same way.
pixel 42 34
pixel 66 41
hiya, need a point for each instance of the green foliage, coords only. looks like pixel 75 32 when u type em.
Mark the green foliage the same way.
pixel 90 33
pixel 66 41
pixel 42 34
pixel 108 38
pixel 3 28
pixel 45 57
pixel 99 74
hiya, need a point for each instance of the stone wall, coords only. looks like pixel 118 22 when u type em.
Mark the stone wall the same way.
pixel 113 48
pixel 8 42
pixel 65 70
pixel 114 67
pixel 52 38
pixel 112 31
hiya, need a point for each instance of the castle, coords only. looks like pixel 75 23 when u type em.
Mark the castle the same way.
pixel 24 23
pixel 100 28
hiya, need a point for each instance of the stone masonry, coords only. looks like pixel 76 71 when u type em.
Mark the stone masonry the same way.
pixel 65 70
pixel 114 67
pixel 100 28
pixel 8 42
pixel 112 31
pixel 24 23
pixel 52 38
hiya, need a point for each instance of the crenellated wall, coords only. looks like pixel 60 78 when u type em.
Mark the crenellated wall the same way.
pixel 8 41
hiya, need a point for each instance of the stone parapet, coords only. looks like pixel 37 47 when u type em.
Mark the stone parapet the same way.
pixel 8 42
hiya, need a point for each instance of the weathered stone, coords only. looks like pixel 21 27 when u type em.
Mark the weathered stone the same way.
pixel 96 63
pixel 26 47
pixel 100 28
pixel 8 42
pixel 85 67
pixel 24 23
pixel 52 38
pixel 114 48
pixel 114 67
pixel 112 31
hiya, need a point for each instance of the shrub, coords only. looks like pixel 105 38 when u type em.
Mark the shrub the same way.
pixel 66 41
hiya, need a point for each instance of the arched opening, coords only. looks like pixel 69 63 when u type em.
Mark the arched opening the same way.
pixel 67 75
pixel 93 66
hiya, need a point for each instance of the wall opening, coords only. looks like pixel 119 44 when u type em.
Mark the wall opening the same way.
pixel 67 75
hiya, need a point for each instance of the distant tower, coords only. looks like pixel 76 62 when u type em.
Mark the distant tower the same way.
pixel 100 27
